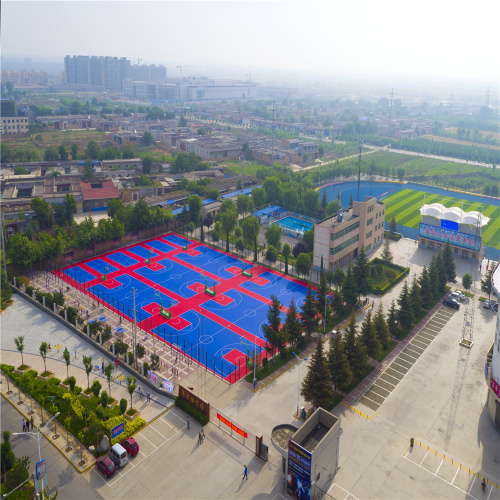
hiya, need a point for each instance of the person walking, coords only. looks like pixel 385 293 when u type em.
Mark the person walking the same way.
pixel 24 425
pixel 32 422
pixel 116 363
pixel 188 422
pixel 102 366
pixel 245 473
pixel 199 438
pixel 202 434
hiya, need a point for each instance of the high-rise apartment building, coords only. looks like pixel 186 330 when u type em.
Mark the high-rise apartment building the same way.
pixel 96 72
pixel 148 73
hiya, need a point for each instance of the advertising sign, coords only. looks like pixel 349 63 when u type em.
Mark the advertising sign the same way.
pixel 454 237
pixel 298 481
pixel 239 431
pixel 116 242
pixel 168 386
pixel 152 377
pixel 40 468
pixel 495 386
pixel 116 431
pixel 69 257
pixel 90 251
pixel 133 236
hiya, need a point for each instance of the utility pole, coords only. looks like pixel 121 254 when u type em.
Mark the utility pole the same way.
pixel 272 143
pixel 390 114
pixel 359 163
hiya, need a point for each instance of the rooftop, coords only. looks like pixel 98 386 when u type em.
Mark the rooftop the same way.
pixel 332 222
pixel 314 437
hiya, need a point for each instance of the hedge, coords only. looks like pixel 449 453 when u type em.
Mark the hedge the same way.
pixel 392 236
pixel 192 411
pixel 382 291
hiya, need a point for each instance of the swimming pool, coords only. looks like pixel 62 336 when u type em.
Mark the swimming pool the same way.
pixel 295 224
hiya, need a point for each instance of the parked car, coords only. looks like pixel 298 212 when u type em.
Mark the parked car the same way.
pixel 451 303
pixel 106 465
pixel 457 295
pixel 131 446
pixel 118 454
pixel 487 304
pixel 494 307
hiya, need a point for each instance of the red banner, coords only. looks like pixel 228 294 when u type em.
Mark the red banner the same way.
pixel 495 386
pixel 241 432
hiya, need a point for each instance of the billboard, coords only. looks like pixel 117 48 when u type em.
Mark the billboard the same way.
pixel 457 238
pixel 298 481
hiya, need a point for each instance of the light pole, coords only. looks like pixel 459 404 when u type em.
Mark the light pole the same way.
pixel 135 328
pixel 36 435
pixel 324 317
pixel 298 383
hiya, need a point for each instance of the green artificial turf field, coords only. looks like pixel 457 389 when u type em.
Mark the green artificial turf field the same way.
pixel 405 206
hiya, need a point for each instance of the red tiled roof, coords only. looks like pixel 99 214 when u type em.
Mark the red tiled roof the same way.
pixel 108 190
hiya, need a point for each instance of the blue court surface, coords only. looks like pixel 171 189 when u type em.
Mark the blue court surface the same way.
pixel 78 274
pixel 142 252
pixel 177 240
pixel 99 265
pixel 122 259
pixel 159 245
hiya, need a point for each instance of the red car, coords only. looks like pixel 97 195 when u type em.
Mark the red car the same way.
pixel 106 466
pixel 131 446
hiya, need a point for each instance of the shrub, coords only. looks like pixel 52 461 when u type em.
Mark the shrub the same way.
pixel 22 280
pixel 72 383
pixel 265 361
pixel 192 411
pixel 130 358
pixel 146 367
pixel 29 291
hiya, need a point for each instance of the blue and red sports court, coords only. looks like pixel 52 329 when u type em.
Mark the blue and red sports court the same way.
pixel 218 332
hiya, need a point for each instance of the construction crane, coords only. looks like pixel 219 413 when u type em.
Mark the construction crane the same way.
pixel 250 76
pixel 182 66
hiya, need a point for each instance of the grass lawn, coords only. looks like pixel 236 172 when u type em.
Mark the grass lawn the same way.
pixel 385 352
pixel 405 207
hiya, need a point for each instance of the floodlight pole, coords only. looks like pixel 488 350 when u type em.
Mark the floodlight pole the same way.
pixel 135 328
pixel 298 383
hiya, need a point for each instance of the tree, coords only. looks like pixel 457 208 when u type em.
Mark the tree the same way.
pixel 228 218
pixel 128 151
pixel 300 247
pixel 349 286
pixel 88 170
pixel 251 230
pixel 272 328
pixel 182 122
pixel 104 402
pixel 272 254
pixel 123 407
pixel 338 364
pixel 337 277
pixel 131 385
pixel 354 349
pixel 93 151
pixel 69 207
pixel 43 354
pixel 286 251
pixel 42 212
pixel 386 252
pixel 51 154
pixel 350 201
pixel 466 281
pixel 146 165
pixel 7 457
pixel 321 295
pixel 74 151
pixel 425 288
pixel 147 138
pixel 87 363
pixel 19 341
pixel 392 320
pixel 67 359
pixel 324 201
pixel 393 226
pixel 405 311
pixel 449 263
pixel 20 170
pixel 22 252
pixel 303 264
pixel 108 371
pixel 19 472
pixel 308 239
pixel 443 278
pixel 292 323
pixel 434 277
pixel 362 273
pixel 305 157
pixel 63 154
pixel 273 236
pixel 332 208
pixel 308 313
pixel 316 386
pixel 194 202
pixel 415 297
pixel 486 282
pixel 96 388
pixel 369 337
pixel 240 246
pixel 381 328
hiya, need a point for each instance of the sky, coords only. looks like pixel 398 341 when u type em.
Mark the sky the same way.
pixel 370 38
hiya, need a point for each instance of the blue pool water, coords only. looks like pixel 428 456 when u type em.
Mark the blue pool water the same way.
pixel 295 224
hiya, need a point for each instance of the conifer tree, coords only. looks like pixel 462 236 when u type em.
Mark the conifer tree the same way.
pixel 405 311
pixel 416 299
pixel 349 287
pixel 486 282
pixel 443 278
pixel 324 200
pixel 434 278
pixel 386 252
pixel 449 262
pixel 316 386
pixel 272 329
pixel 321 294
pixel 381 328
pixel 392 320
pixel 354 349
pixel 292 323
pixel 425 288
pixel 362 273
pixel 369 336
pixel 308 313
pixel 340 373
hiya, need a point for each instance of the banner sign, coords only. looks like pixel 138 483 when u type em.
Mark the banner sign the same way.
pixel 116 242
pixel 152 377
pixel 90 251
pixel 298 481
pixel 69 257
pixel 224 420
pixel 195 401
pixel 40 468
pixel 495 386
pixel 168 386
pixel 116 431
pixel 454 237
pixel 133 236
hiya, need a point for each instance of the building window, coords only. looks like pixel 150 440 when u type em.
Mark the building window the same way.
pixel 368 247
pixel 465 254
pixel 343 232
pixel 368 235
pixel 376 215
pixel 431 244
pixel 423 241
pixel 369 221
pixel 455 250
pixel 344 245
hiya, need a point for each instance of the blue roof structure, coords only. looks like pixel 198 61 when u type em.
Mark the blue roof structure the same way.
pixel 207 201
pixel 240 191
pixel 276 209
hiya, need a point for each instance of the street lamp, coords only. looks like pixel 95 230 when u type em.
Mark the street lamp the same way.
pixel 298 382
pixel 36 435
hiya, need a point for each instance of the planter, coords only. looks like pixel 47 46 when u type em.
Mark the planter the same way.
pixel 63 385
pixel 21 370
pixel 131 418
pixel 112 403
pixel 45 375
pixel 86 394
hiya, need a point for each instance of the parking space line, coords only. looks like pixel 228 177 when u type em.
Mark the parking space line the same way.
pixel 424 457
pixel 163 420
pixel 442 460
pixel 454 476
pixel 144 437
pixel 152 427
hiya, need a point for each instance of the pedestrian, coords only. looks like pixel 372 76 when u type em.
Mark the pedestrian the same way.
pixel 245 473
pixel 188 421
pixel 202 434
pixel 116 363
pixel 199 438
pixel 102 366
pixel 412 441
pixel 24 425
pixel 32 422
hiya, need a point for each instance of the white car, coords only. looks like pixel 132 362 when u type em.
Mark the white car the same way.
pixel 457 295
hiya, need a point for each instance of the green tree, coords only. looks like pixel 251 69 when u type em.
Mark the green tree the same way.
pixel 338 364
pixel 51 154
pixel 381 328
pixel 147 138
pixel 309 313
pixel 228 218
pixel 349 286
pixel 351 202
pixel 308 239
pixel 303 264
pixel 96 388
pixel 362 273
pixel 7 457
pixel 67 359
pixel 20 170
pixel 258 196
pixel 42 212
pixel 466 281
pixel 392 320
pixel 69 207
pixel 63 154
pixel 92 151
pixel 251 230
pixel 123 407
pixel 88 170
pixel 131 385
pixel 324 200
pixel 332 208
pixel 74 151
pixel 443 278
pixel 425 288
pixel 182 122
pixel 405 311
pixel 108 372
pixel 449 262
pixel 292 323
pixel 354 349
pixel 272 254
pixel 43 354
pixel 194 202
pixel 22 252
pixel 369 337
pixel 272 187
pixel 146 165
pixel 128 151
pixel 286 251
pixel 273 332
pixel 386 255
pixel 487 281
pixel 415 297
pixel 316 386
pixel 240 246
pixel 434 278
pixel 104 402
pixel 321 295
pixel 338 277
pixel 19 341
pixel 87 363
pixel 393 226
pixel 19 472
pixel 273 236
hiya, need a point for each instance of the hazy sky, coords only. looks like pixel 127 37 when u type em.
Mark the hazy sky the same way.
pixel 438 38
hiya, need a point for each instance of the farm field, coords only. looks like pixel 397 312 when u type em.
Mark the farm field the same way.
pixel 405 207
pixel 452 140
